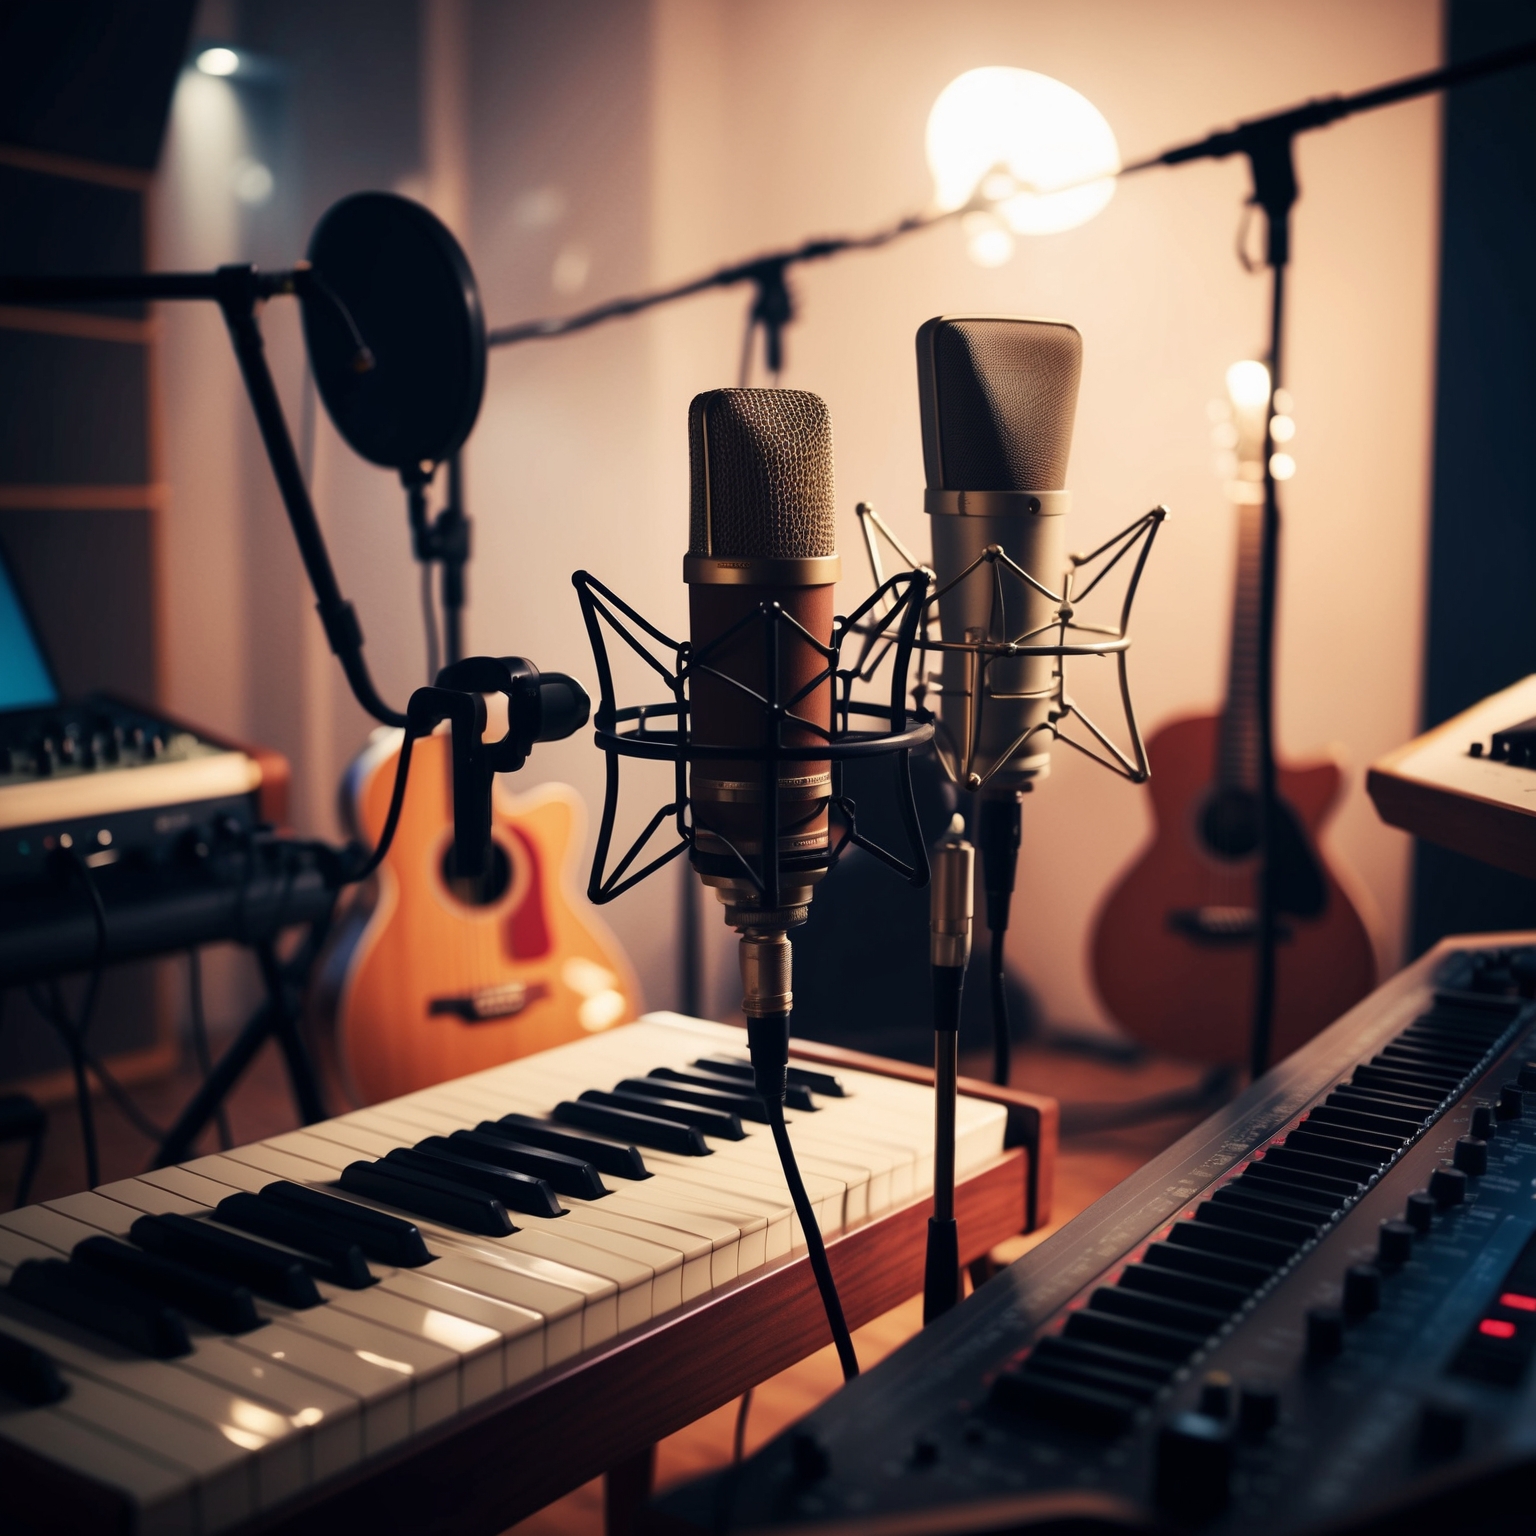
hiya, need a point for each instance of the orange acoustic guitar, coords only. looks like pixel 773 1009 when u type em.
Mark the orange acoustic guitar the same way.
pixel 440 978
pixel 1174 947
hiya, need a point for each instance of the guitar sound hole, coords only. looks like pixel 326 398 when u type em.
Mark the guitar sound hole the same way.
pixel 488 888
pixel 1229 824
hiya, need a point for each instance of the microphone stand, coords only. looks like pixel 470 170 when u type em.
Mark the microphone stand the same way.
pixel 1269 144
pixel 953 866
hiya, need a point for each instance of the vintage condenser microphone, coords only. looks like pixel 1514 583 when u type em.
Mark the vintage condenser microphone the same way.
pixel 998 396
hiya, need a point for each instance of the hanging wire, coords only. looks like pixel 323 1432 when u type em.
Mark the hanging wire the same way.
pixel 200 1051
pixel 739 1439
pixel 429 622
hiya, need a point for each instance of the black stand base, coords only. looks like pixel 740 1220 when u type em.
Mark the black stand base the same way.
pixel 276 1019
pixel 941 1273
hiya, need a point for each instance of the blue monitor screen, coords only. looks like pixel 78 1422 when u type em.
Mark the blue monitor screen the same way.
pixel 25 680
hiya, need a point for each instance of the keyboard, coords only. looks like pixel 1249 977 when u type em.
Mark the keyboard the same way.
pixel 1469 784
pixel 440 1311
pixel 111 782
pixel 1314 1313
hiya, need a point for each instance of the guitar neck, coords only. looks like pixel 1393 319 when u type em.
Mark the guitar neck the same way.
pixel 1237 756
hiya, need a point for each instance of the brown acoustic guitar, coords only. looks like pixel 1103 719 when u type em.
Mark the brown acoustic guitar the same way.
pixel 438 978
pixel 1174 946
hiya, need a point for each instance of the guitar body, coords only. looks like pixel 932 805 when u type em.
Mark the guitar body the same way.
pixel 438 982
pixel 1173 947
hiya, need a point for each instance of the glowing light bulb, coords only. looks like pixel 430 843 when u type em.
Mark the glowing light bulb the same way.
pixel 1042 154
pixel 1248 385
pixel 218 61
pixel 1282 466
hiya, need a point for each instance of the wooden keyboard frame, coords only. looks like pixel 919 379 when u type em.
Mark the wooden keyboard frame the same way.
pixel 505 1458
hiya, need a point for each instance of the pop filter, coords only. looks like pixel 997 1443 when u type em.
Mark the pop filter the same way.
pixel 395 332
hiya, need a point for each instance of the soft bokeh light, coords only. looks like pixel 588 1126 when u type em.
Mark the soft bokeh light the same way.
pixel 1248 385
pixel 218 61
pixel 1016 135
pixel 1282 466
pixel 986 241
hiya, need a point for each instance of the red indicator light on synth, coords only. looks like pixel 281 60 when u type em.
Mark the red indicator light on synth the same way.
pixel 1496 1328
pixel 1517 1303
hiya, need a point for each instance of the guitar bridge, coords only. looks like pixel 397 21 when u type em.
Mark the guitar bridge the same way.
pixel 488 1003
pixel 1220 925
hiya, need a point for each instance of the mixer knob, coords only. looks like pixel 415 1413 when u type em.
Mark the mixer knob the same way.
pixel 1527 1078
pixel 1482 1122
pixel 1194 1466
pixel 1472 1155
pixel 1442 1430
pixel 1511 1103
pixel 1394 1243
pixel 1448 1187
pixel 1325 1333
pixel 1362 1291
pixel 1419 1212
pixel 1258 1409
pixel 1216 1395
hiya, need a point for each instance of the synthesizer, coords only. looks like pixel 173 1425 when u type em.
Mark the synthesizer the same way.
pixel 1316 1312
pixel 109 781
pixel 440 1311
pixel 1470 783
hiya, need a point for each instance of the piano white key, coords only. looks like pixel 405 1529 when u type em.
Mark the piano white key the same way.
pixel 151 1199
pixel 225 1170
pixel 162 1495
pixel 662 1257
pixel 563 1309
pixel 220 1471
pixel 51 1228
pixel 478 1349
pixel 330 1417
pixel 693 1252
pixel 278 1427
pixel 97 1211
pixel 600 1310
pixel 194 1186
pixel 346 1133
pixel 431 1370
pixel 383 1392
pixel 16 1249
pixel 634 1279
pixel 521 1330
pixel 279 1165
pixel 722 1236
pixel 314 1149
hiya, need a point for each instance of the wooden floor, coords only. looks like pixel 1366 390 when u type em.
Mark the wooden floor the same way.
pixel 1089 1165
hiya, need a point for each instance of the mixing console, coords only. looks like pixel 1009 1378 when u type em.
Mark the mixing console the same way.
pixel 1315 1312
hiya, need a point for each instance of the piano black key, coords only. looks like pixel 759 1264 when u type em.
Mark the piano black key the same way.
pixel 565 1175
pixel 745 1106
pixel 429 1196
pixel 220 1303
pixel 384 1238
pixel 29 1375
pixel 646 1130
pixel 711 1121
pixel 327 1254
pixel 1178 1286
pixel 266 1270
pixel 1235 1217
pixel 1078 1406
pixel 516 1191
pixel 102 1304
pixel 804 1077
pixel 796 1096
pixel 1186 1317
pixel 1137 1338
pixel 606 1156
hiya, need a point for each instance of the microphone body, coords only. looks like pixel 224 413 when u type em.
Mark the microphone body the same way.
pixel 761 535
pixel 998 396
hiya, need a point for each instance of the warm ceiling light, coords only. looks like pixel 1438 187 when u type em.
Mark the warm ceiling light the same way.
pixel 1248 385
pixel 218 61
pixel 1035 149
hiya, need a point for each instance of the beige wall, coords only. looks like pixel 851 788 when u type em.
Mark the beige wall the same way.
pixel 649 142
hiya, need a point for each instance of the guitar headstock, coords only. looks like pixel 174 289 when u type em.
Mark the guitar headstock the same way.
pixel 1237 432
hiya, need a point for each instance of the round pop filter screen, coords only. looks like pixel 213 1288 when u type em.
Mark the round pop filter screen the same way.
pixel 389 277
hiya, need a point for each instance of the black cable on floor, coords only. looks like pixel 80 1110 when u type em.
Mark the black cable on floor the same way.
pixel 200 1049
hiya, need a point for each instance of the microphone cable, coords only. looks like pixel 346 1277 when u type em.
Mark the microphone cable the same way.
pixel 768 1046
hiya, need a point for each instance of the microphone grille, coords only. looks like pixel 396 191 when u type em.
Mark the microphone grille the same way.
pixel 761 462
pixel 998 397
